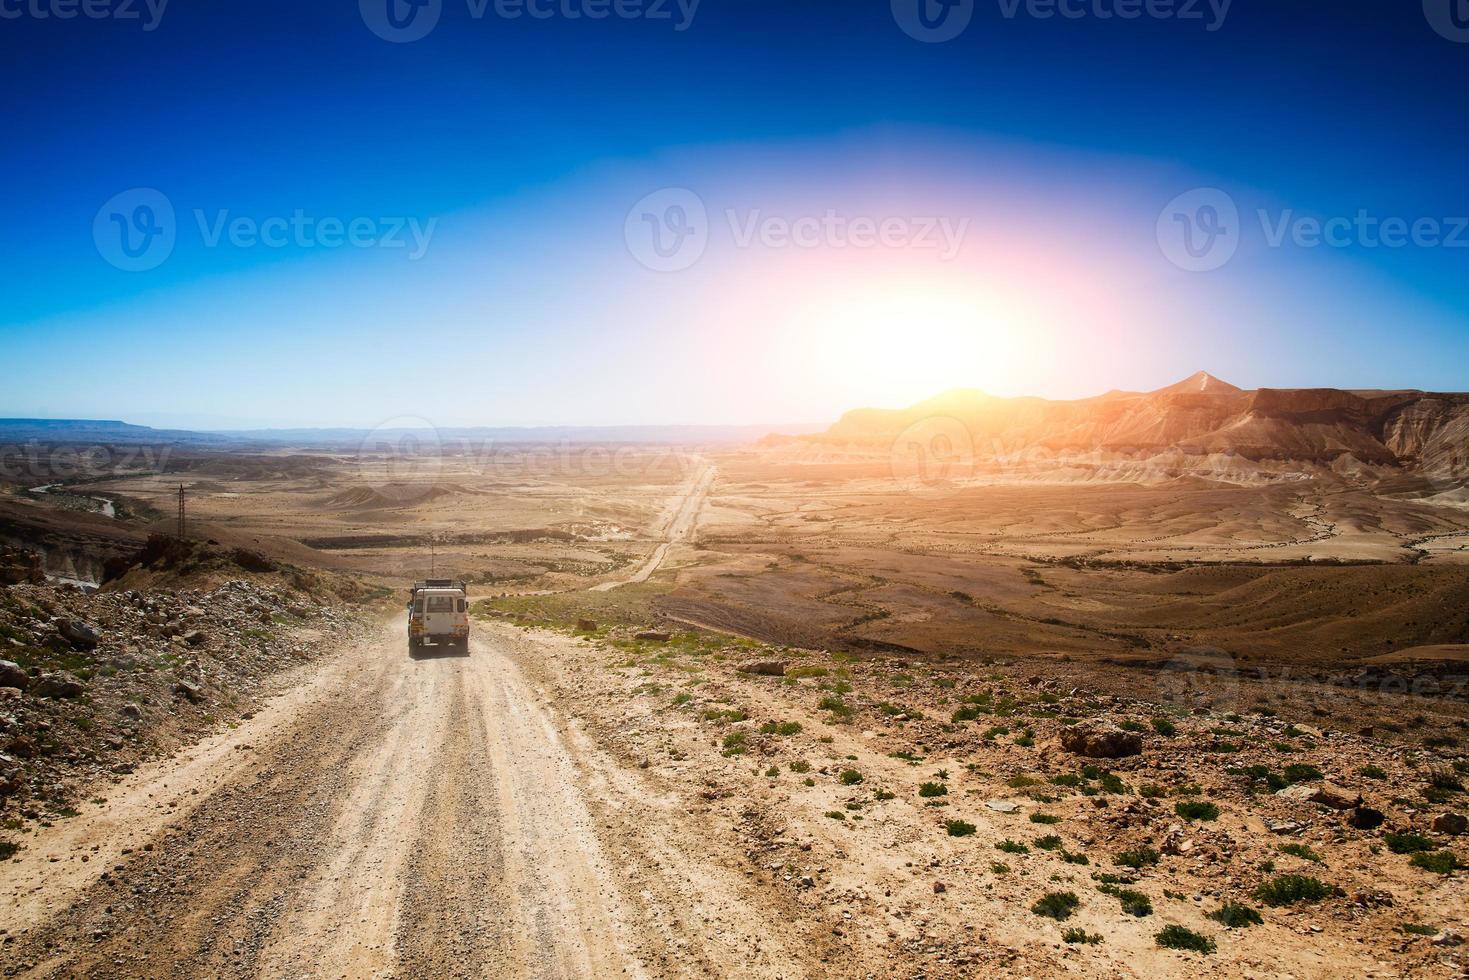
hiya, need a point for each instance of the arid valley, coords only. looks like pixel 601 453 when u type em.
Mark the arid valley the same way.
pixel 916 695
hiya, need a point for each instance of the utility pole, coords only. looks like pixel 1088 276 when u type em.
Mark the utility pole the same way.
pixel 181 512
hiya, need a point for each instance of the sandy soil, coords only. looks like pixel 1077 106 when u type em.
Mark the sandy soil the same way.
pixel 394 816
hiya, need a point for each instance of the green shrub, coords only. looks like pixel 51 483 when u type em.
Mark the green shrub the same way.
pixel 1137 859
pixel 1196 810
pixel 1290 889
pixel 850 777
pixel 800 766
pixel 1419 929
pixel 1300 772
pixel 1165 727
pixel 959 828
pixel 1439 862
pixel 1407 842
pixel 1056 905
pixel 1076 936
pixel 1303 851
pixel 933 789
pixel 1133 902
pixel 1044 818
pixel 1012 847
pixel 1177 937
pixel 1372 772
pixel 1236 916
pixel 967 713
pixel 1050 842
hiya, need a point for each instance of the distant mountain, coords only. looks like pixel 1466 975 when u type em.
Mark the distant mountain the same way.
pixel 1291 430
pixel 99 431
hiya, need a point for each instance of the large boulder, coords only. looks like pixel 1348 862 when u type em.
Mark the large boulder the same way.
pixel 764 668
pixel 1450 823
pixel 1099 739
pixel 12 675
pixel 79 633
pixel 58 685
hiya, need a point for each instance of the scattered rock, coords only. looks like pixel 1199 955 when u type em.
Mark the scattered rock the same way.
pixel 1099 739
pixel 651 636
pixel 1336 797
pixel 1003 806
pixel 11 675
pixel 190 692
pixel 586 625
pixel 765 668
pixel 195 638
pixel 1450 823
pixel 80 634
pixel 58 685
pixel 1365 818
pixel 1284 826
pixel 1448 938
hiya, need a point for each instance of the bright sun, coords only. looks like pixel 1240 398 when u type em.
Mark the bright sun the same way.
pixel 895 343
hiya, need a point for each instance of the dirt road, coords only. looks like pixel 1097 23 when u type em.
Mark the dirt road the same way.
pixel 683 515
pixel 392 817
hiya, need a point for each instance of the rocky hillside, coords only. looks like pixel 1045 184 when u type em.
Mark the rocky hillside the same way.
pixel 1379 433
pixel 92 683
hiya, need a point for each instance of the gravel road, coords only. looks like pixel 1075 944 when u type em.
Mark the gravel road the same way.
pixel 392 816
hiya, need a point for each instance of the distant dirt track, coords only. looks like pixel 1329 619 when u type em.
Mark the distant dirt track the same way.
pixel 391 816
pixel 680 527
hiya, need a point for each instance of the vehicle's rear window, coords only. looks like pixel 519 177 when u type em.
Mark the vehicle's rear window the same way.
pixel 440 603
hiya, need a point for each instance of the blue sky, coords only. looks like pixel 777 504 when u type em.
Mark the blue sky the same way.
pixel 522 146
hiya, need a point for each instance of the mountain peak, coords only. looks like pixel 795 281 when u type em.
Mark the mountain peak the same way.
pixel 1201 382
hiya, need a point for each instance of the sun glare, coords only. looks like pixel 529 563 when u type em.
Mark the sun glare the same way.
pixel 896 343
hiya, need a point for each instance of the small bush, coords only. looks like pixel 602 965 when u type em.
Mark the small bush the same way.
pixel 933 789
pixel 850 777
pixel 1133 902
pixel 1077 936
pixel 1012 847
pixel 1050 842
pixel 1138 859
pixel 883 795
pixel 800 766
pixel 1439 862
pixel 8 849
pixel 1290 889
pixel 1165 727
pixel 1236 916
pixel 1056 905
pixel 1300 772
pixel 1070 858
pixel 959 828
pixel 1419 929
pixel 1302 851
pixel 1130 726
pixel 1177 937
pixel 734 743
pixel 1044 818
pixel 967 713
pixel 1022 782
pixel 1196 810
pixel 1372 772
pixel 1407 842
pixel 999 867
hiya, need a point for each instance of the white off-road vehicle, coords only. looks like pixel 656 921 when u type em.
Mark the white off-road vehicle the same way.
pixel 438 613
